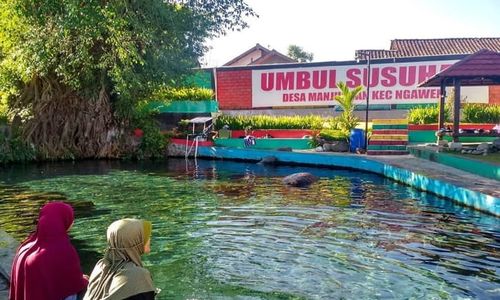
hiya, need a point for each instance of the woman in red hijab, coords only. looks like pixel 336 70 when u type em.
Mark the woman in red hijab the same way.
pixel 46 265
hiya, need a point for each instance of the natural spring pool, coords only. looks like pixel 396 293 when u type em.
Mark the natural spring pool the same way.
pixel 232 230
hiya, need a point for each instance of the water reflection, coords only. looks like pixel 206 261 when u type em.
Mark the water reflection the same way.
pixel 224 230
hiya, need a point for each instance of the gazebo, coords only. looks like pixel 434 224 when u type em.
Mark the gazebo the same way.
pixel 480 68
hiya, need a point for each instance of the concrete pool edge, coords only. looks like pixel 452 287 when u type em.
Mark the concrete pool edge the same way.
pixel 475 199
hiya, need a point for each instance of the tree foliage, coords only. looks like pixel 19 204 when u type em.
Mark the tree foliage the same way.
pixel 76 69
pixel 299 54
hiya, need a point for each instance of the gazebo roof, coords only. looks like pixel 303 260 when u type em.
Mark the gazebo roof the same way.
pixel 480 68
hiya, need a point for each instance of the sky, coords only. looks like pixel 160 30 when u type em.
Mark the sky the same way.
pixel 332 29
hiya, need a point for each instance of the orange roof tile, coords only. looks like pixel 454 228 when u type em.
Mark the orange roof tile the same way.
pixel 435 47
pixel 480 68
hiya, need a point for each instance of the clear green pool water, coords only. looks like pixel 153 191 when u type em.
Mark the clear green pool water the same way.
pixel 229 230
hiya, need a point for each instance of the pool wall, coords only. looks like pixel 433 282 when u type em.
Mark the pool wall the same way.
pixel 488 170
pixel 477 200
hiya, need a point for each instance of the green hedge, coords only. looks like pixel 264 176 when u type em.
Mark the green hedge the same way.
pixel 183 94
pixel 333 135
pixel 426 115
pixel 471 113
pixel 481 113
pixel 274 122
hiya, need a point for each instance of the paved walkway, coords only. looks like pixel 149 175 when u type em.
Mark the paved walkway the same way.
pixel 443 173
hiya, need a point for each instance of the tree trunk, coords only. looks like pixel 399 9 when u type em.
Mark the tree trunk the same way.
pixel 64 125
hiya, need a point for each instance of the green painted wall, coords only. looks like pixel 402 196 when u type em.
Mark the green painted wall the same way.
pixel 265 143
pixel 469 165
pixel 428 136
pixel 207 106
pixel 413 105
pixel 363 107
pixel 389 126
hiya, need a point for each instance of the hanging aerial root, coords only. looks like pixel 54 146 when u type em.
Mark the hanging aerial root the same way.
pixel 65 125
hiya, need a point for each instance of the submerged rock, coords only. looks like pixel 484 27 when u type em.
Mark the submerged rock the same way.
pixel 302 179
pixel 496 144
pixel 337 146
pixel 455 146
pixel 269 160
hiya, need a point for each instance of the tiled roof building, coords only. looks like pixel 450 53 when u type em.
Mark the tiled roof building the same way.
pixel 259 55
pixel 435 47
pixel 480 68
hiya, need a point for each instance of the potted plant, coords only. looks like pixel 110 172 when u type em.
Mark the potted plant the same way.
pixel 347 120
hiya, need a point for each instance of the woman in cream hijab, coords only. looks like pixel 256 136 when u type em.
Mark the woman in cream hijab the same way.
pixel 120 274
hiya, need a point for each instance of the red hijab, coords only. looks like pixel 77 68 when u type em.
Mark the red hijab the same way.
pixel 46 265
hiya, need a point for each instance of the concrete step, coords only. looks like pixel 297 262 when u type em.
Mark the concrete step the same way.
pixel 387 147
pixel 390 131
pixel 386 152
pixel 389 126
pixel 390 121
pixel 389 137
pixel 382 142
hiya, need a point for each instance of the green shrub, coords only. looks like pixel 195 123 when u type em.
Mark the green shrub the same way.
pixel 426 115
pixel 183 94
pixel 327 135
pixel 13 149
pixel 153 142
pixel 273 122
pixel 3 109
pixel 481 113
pixel 333 135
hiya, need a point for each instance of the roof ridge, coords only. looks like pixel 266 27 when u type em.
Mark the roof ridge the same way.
pixel 436 39
pixel 256 47
pixel 479 68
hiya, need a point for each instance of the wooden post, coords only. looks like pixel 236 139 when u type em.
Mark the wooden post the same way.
pixel 442 98
pixel 456 110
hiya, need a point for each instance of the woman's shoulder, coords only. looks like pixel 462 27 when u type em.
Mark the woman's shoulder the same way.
pixel 138 276
pixel 132 270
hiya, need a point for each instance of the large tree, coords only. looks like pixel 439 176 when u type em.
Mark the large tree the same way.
pixel 299 54
pixel 76 69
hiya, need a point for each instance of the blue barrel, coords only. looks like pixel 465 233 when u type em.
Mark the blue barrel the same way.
pixel 356 139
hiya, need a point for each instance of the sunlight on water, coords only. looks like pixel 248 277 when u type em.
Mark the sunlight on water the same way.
pixel 227 230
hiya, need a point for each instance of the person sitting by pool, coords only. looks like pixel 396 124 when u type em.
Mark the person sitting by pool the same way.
pixel 249 141
pixel 46 265
pixel 120 274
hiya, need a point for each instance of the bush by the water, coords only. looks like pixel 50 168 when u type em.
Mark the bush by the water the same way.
pixel 153 142
pixel 481 113
pixel 13 148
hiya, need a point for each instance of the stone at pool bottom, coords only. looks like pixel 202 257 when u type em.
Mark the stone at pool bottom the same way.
pixel 8 247
pixel 4 288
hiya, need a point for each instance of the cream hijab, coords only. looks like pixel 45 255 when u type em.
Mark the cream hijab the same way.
pixel 120 274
